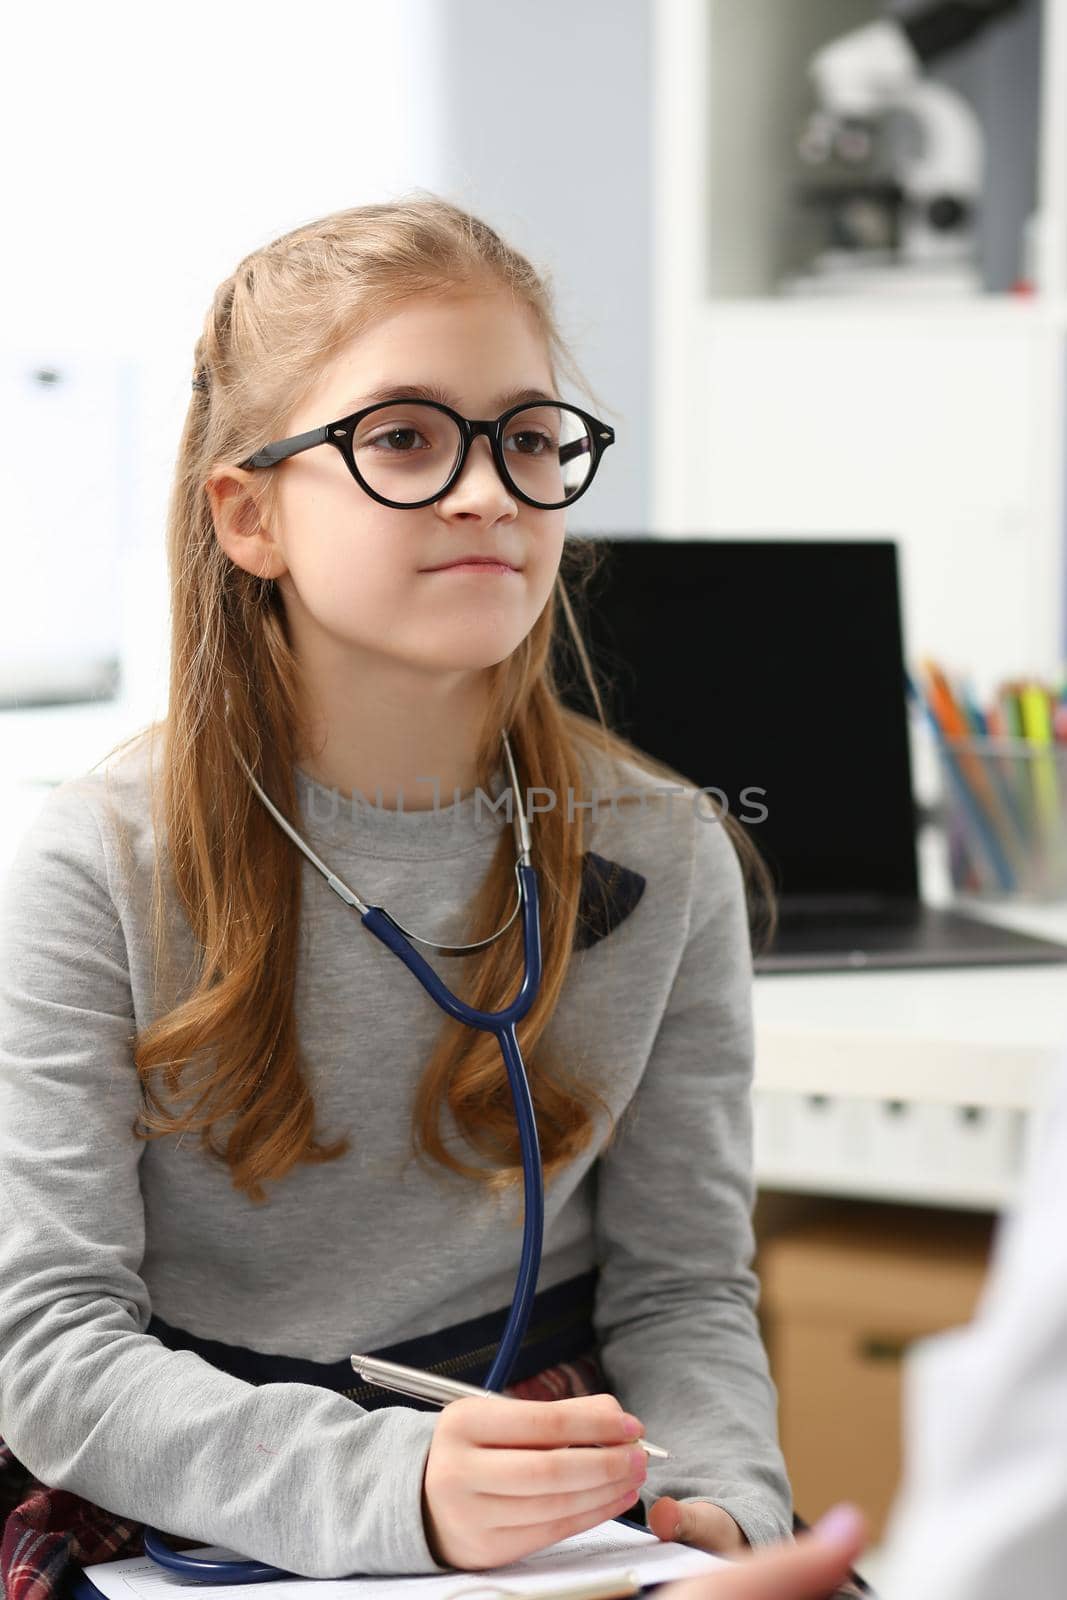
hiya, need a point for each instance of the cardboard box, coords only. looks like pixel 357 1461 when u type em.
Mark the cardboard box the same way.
pixel 843 1297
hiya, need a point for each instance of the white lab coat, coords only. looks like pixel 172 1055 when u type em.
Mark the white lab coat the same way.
pixel 982 1512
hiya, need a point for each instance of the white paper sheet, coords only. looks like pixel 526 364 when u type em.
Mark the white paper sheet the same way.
pixel 588 1557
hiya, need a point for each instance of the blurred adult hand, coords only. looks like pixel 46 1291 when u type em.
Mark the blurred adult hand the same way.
pixel 811 1568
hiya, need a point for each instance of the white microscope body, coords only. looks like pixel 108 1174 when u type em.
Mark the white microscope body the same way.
pixel 937 171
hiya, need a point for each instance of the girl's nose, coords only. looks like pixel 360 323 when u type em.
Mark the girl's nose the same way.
pixel 478 480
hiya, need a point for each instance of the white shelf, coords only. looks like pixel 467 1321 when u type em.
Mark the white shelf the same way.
pixel 931 313
pixel 943 428
pixel 937 422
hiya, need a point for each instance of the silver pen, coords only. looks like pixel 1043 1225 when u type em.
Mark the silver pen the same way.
pixel 428 1386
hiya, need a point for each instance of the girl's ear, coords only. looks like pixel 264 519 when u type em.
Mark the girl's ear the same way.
pixel 238 528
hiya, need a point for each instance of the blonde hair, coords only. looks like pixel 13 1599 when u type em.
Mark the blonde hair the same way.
pixel 288 308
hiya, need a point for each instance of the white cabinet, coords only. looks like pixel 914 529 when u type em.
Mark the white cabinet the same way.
pixel 939 422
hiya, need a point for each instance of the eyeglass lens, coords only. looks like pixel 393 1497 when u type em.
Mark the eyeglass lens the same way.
pixel 407 452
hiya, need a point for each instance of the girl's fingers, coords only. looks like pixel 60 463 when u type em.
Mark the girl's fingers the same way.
pixel 513 1511
pixel 517 1472
pixel 537 1535
pixel 700 1524
pixel 505 1477
pixel 540 1424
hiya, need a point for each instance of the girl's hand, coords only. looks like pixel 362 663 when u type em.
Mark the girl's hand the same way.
pixel 699 1523
pixel 505 1477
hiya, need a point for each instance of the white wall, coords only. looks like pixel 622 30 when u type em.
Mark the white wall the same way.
pixel 156 146
pixel 546 127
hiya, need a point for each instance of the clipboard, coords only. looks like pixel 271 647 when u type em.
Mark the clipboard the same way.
pixel 621 1583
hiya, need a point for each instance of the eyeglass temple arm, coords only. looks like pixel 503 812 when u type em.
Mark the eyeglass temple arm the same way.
pixel 271 454
pixel 578 447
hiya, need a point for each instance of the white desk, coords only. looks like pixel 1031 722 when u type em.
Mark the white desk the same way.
pixel 912 1086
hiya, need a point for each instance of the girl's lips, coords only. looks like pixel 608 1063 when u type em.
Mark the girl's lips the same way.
pixel 474 566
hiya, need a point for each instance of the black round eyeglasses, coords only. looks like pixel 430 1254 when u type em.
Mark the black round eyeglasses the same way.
pixel 408 452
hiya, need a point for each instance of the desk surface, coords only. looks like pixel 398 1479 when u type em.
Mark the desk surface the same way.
pixel 979 1035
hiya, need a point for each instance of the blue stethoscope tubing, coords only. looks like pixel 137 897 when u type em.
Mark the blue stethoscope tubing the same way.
pixel 203 1569
pixel 502 1023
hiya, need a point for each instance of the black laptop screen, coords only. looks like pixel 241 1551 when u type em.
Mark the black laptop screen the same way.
pixel 770 670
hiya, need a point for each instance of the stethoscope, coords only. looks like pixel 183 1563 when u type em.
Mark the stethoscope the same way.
pixel 502 1023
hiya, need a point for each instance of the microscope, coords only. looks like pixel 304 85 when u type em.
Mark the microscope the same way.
pixel 901 158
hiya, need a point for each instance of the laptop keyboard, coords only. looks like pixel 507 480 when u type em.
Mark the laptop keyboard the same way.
pixel 899 936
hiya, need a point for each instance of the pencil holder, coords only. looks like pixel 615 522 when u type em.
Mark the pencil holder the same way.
pixel 1005 814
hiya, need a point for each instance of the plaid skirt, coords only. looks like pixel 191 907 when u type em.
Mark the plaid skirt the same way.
pixel 50 1534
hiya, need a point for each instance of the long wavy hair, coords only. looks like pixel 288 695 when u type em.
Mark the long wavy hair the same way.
pixel 227 1054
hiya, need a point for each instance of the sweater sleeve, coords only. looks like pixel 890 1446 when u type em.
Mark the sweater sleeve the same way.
pixel 675 1312
pixel 288 1473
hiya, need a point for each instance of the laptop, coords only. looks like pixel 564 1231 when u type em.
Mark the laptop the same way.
pixel 772 671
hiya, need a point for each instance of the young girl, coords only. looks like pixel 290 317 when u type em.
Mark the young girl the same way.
pixel 239 1141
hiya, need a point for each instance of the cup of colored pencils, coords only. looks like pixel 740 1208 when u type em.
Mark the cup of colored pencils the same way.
pixel 1004 768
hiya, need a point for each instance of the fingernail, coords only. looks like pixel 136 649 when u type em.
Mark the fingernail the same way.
pixel 677 1530
pixel 840 1525
pixel 632 1428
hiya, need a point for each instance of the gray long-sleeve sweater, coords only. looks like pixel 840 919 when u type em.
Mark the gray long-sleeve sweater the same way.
pixel 101 1234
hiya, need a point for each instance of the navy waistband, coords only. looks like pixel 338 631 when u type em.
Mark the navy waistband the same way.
pixel 561 1329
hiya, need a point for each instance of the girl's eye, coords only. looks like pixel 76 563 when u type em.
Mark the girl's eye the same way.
pixel 394 433
pixel 539 443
